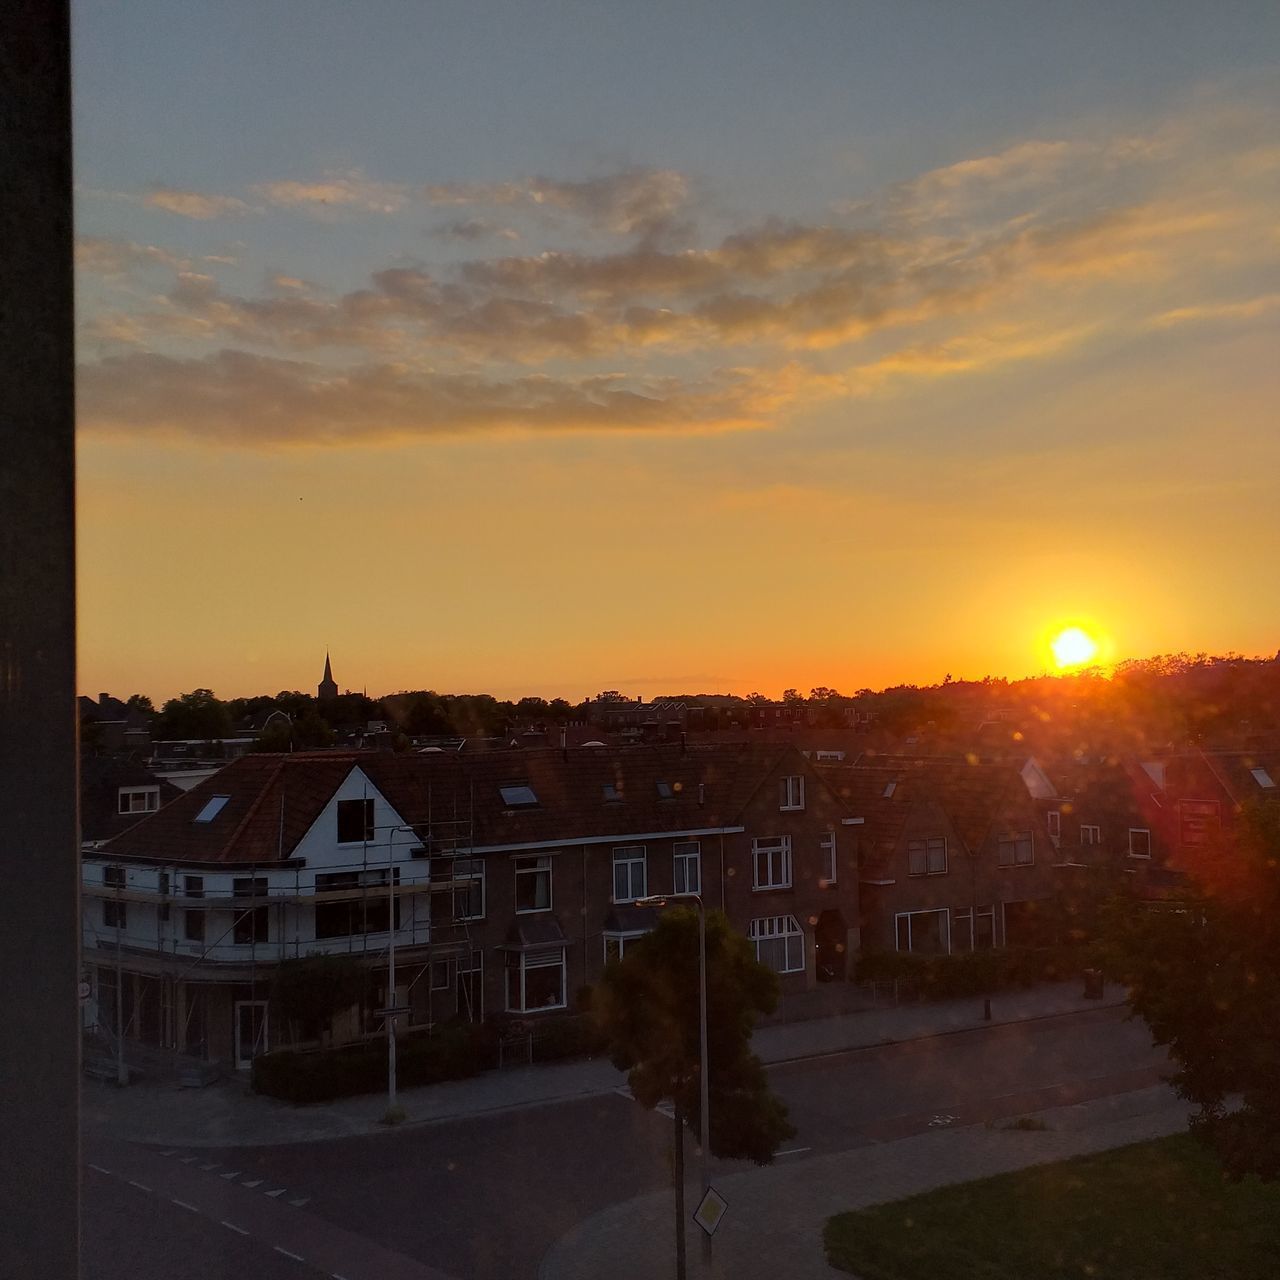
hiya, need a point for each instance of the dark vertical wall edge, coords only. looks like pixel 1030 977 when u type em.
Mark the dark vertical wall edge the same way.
pixel 39 859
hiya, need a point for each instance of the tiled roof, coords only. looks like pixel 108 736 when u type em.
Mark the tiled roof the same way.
pixel 101 778
pixel 454 800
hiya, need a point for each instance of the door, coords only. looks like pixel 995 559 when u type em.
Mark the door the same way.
pixel 251 1031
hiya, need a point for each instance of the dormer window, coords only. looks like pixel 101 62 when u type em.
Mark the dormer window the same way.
pixel 139 799
pixel 518 795
pixel 213 806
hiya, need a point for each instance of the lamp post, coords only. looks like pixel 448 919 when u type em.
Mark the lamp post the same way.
pixel 704 1109
pixel 391 966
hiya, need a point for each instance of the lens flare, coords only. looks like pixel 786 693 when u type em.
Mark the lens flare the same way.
pixel 1073 647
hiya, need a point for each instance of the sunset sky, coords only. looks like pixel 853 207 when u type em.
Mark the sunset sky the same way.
pixel 548 348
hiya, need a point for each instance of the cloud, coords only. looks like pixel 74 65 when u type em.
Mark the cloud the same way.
pixel 634 201
pixel 111 257
pixel 194 204
pixel 470 230
pixel 339 192
pixel 239 398
pixel 1208 313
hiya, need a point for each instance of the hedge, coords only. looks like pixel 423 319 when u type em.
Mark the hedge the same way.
pixel 971 973
pixel 319 1075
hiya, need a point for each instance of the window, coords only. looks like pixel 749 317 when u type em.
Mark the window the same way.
pixel 213 807
pixel 139 799
pixel 771 862
pixel 1139 842
pixel 113 877
pixel 355 821
pixel 889 789
pixel 1262 778
pixel 611 793
pixel 923 932
pixel 468 893
pixel 1016 849
pixel 162 888
pixel 666 791
pixel 1054 819
pixel 535 980
pixel 470 974
pixel 251 923
pixel 779 943
pixel 927 857
pixel 193 886
pixel 533 884
pixel 441 975
pixel 629 873
pixel 193 926
pixel 1090 834
pixel 518 795
pixel 1199 821
pixel 363 908
pixel 114 914
pixel 792 792
pixel 616 944
pixel 686 875
pixel 828 846
pixel 962 935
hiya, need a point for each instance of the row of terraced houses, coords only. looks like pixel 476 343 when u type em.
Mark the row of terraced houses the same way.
pixel 508 879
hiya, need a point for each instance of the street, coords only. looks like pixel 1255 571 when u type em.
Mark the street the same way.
pixel 484 1198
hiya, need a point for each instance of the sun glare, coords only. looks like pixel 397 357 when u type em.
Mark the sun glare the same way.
pixel 1073 647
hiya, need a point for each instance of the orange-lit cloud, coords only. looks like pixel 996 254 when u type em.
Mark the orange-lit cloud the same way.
pixel 349 191
pixel 194 204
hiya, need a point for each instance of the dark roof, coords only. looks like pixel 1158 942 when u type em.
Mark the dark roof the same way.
pixel 454 800
pixel 101 778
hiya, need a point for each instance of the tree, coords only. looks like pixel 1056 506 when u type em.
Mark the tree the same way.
pixel 140 702
pixel 1205 976
pixel 647 1009
pixel 307 993
pixel 195 715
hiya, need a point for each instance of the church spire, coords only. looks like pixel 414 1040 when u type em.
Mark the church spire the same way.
pixel 328 686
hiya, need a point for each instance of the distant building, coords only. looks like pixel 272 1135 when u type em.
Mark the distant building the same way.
pixel 328 689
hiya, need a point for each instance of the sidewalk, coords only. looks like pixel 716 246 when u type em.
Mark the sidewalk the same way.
pixel 773 1225
pixel 229 1114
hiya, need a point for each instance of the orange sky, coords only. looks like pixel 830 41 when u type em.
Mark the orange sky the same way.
pixel 671 423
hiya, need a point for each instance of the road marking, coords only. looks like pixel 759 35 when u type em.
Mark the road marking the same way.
pixel 300 1201
pixel 182 1204
pixel 233 1227
pixel 273 1194
pixel 141 1186
pixel 97 1168
pixel 257 1182
pixel 229 1176
pixel 297 1257
pixel 794 1151
pixel 168 1153
pixel 213 1164
pixel 190 1159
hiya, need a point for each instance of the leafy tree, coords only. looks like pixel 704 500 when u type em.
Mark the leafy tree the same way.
pixel 197 714
pixel 1205 976
pixel 307 993
pixel 647 1009
pixel 140 702
pixel 792 697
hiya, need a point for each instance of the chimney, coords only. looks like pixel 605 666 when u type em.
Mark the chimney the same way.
pixel 102 699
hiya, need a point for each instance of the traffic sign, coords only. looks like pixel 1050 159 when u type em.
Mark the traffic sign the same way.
pixel 710 1211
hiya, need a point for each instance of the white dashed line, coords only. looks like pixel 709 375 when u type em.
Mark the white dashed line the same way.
pixel 297 1257
pixel 213 1164
pixel 233 1227
pixel 257 1182
pixel 97 1168
pixel 140 1185
pixel 182 1204
pixel 794 1151
pixel 300 1201
pixel 274 1194
pixel 229 1176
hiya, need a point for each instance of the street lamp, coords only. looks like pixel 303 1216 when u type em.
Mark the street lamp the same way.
pixel 391 966
pixel 704 1110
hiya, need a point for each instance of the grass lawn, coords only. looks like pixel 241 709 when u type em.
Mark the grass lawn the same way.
pixel 1153 1211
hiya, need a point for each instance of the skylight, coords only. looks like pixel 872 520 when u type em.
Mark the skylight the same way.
pixel 213 807
pixel 518 795
pixel 889 789
pixel 1262 778
pixel 666 791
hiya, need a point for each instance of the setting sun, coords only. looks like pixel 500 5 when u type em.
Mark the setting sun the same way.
pixel 1073 647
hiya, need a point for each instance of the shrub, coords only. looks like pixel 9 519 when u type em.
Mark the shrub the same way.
pixel 569 1036
pixel 970 973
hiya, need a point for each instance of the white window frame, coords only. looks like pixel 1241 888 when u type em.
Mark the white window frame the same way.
pixel 621 940
pixel 631 856
pixel 767 931
pixel 1053 822
pixel 686 854
pixel 1144 831
pixel 792 792
pixel 934 851
pixel 533 866
pixel 149 796
pixel 475 874
pixel 1090 834
pixel 549 958
pixel 831 870
pixel 1014 840
pixel 968 916
pixel 907 915
pixel 774 853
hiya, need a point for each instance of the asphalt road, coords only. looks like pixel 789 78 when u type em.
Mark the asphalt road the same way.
pixel 483 1198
